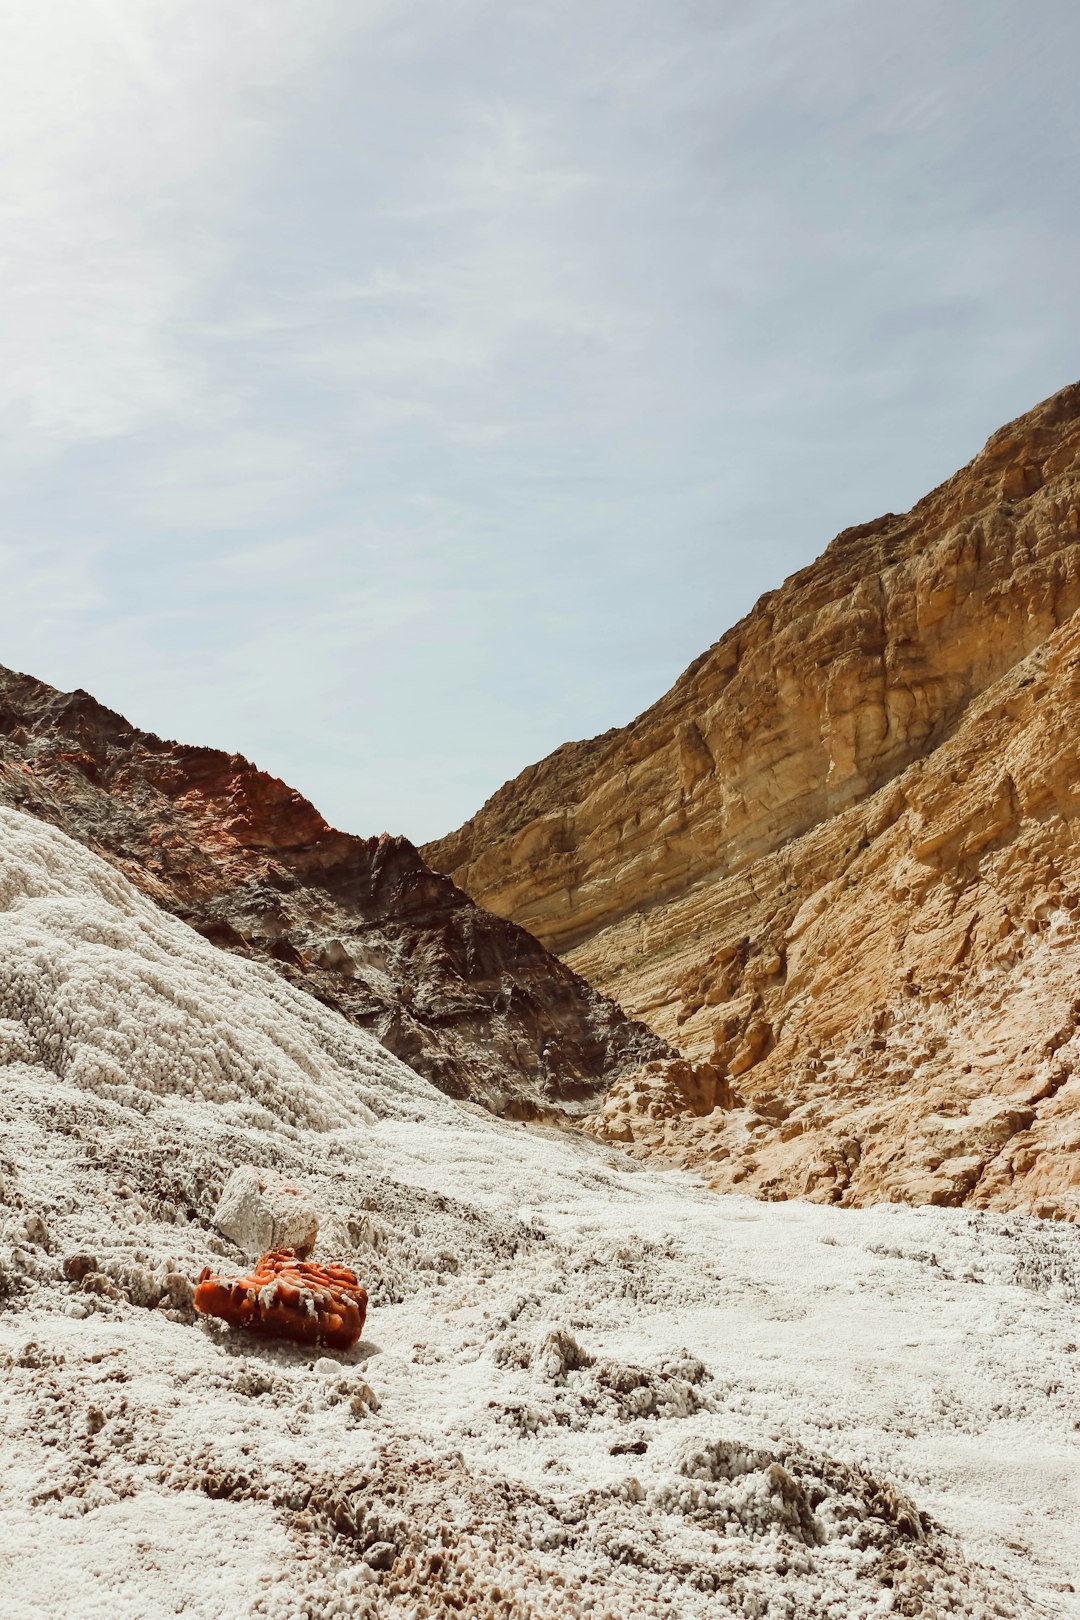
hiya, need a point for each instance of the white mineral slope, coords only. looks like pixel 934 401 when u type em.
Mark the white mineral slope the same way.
pixel 585 1388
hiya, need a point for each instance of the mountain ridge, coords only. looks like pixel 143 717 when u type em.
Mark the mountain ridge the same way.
pixel 672 862
pixel 471 1001
pixel 1014 457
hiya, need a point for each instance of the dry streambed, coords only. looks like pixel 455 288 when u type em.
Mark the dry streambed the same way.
pixel 584 1387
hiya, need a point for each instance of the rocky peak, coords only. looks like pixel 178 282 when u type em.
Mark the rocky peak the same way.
pixel 469 1000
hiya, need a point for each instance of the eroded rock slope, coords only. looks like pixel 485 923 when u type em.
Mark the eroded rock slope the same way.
pixel 838 862
pixel 467 999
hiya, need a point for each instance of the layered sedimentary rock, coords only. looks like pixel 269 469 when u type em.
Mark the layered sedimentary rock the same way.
pixel 838 863
pixel 467 999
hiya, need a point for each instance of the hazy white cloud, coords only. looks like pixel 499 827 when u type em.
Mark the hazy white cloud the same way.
pixel 392 390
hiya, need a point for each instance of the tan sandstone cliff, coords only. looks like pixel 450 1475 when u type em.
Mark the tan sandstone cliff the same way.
pixel 838 864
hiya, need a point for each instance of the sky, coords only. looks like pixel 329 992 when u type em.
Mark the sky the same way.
pixel 393 390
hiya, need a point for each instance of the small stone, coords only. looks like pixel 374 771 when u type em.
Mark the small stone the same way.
pixel 77 1266
pixel 364 1401
pixel 179 1289
pixel 560 1354
pixel 380 1556
pixel 261 1210
pixel 96 1282
pixel 36 1231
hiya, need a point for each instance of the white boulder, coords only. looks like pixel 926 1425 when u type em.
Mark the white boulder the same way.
pixel 260 1210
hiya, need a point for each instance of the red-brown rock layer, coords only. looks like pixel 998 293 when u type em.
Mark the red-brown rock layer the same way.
pixel 469 1000
pixel 839 861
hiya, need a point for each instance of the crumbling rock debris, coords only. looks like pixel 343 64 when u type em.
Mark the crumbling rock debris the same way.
pixel 814 1496
pixel 659 1091
pixel 288 1298
pixel 580 1386
pixel 262 1210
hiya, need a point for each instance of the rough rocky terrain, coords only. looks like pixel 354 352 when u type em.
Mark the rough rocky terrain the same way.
pixel 465 998
pixel 838 865
pixel 586 1388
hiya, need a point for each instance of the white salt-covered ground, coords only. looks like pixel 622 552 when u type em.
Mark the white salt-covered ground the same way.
pixel 584 1388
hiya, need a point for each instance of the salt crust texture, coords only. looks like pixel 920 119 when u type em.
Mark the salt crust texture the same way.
pixel 587 1388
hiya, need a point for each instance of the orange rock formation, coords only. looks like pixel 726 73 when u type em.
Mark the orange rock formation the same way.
pixel 288 1298
pixel 839 863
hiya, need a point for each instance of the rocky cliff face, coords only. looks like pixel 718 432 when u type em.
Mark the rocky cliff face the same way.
pixel 838 862
pixel 469 1000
